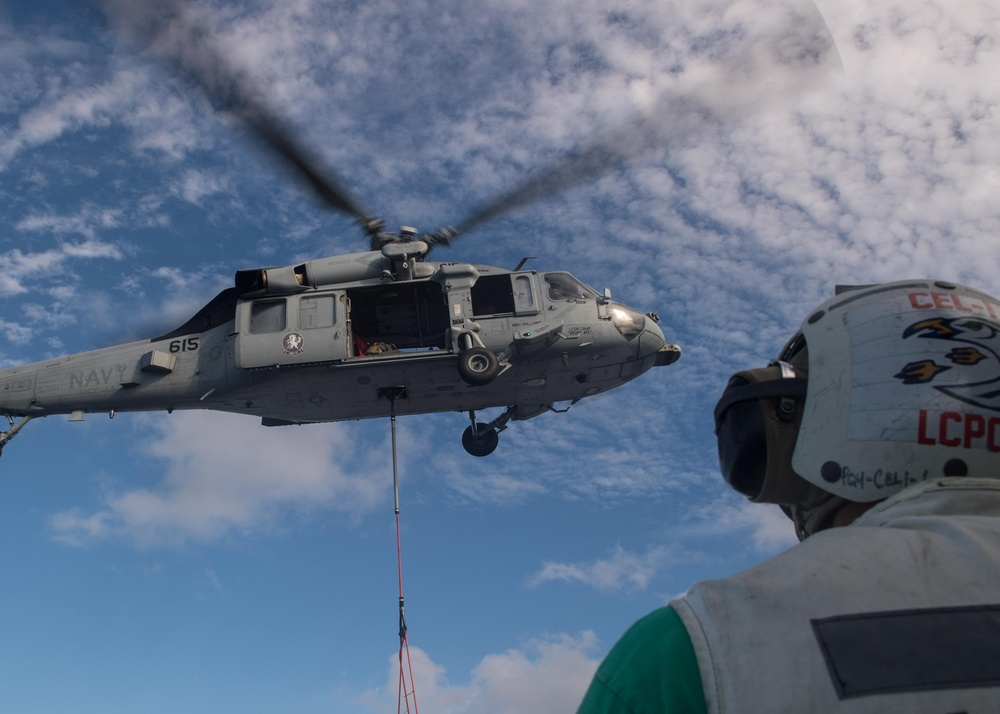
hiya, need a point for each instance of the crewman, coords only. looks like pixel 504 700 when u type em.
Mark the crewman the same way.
pixel 877 431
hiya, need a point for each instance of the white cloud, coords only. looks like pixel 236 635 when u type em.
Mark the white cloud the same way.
pixel 166 125
pixel 491 488
pixel 196 185
pixel 19 270
pixel 543 676
pixel 87 221
pixel 768 530
pixel 765 527
pixel 92 249
pixel 622 571
pixel 214 580
pixel 87 106
pixel 17 333
pixel 226 474
pixel 15 266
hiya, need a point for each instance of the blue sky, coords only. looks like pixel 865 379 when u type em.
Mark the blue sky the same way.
pixel 203 563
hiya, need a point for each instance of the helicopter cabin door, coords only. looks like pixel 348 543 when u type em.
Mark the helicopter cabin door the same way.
pixel 294 329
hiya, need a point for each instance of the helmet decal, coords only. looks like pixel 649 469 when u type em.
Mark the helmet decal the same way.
pixel 920 372
pixel 984 393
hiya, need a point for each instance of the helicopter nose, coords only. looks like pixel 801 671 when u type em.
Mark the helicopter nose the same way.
pixel 652 342
pixel 643 332
pixel 651 339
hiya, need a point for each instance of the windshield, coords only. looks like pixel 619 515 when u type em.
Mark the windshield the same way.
pixel 563 286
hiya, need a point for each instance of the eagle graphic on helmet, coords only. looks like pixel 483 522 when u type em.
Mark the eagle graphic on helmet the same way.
pixel 968 384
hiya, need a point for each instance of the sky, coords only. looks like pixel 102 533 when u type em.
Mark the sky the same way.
pixel 729 164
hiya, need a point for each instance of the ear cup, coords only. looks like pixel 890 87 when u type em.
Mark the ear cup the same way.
pixel 742 443
pixel 756 423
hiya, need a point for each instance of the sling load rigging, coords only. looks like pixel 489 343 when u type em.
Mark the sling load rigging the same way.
pixel 406 691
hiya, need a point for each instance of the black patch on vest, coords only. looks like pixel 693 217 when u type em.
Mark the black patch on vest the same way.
pixel 911 650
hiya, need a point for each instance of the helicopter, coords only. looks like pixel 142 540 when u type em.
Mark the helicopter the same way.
pixel 360 335
pixel 333 339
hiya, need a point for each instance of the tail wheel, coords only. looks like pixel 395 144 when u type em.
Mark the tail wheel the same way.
pixel 480 441
pixel 478 366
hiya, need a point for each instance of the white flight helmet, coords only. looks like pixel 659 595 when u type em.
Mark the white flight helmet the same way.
pixel 885 386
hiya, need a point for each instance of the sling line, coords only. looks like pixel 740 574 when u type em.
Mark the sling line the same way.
pixel 406 691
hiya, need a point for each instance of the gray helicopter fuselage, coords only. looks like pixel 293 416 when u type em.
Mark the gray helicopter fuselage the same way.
pixel 333 339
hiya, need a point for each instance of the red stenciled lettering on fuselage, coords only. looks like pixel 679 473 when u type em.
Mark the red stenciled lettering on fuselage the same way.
pixel 952 301
pixel 958 430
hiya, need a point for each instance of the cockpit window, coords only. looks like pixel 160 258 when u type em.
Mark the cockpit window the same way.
pixel 563 286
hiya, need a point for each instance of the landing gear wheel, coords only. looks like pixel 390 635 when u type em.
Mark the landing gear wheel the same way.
pixel 480 442
pixel 478 366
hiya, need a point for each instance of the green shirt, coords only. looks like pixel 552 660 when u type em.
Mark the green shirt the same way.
pixel 652 669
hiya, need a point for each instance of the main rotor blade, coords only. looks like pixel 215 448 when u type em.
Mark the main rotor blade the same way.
pixel 795 54
pixel 173 31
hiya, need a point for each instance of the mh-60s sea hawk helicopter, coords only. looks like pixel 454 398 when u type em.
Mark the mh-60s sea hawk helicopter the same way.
pixel 334 339
pixel 355 336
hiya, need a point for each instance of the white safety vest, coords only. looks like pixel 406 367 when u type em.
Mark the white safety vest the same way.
pixel 899 612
